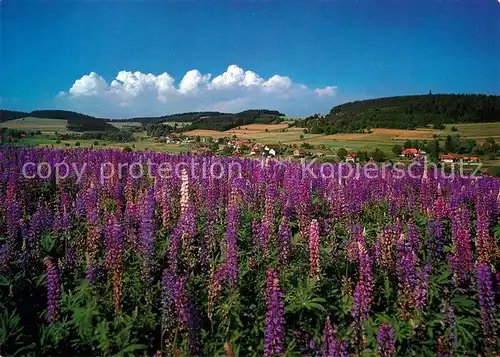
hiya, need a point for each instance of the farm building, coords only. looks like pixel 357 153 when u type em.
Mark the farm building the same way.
pixel 409 153
pixel 270 150
pixel 256 149
pixel 470 159
pixel 352 157
pixel 299 153
pixel 202 151
pixel 239 143
pixel 448 158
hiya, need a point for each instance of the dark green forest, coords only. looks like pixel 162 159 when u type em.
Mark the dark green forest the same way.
pixel 406 112
pixel 223 121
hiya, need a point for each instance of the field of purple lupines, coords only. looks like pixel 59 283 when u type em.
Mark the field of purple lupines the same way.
pixel 215 256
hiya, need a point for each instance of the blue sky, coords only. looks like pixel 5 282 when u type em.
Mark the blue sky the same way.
pixel 129 58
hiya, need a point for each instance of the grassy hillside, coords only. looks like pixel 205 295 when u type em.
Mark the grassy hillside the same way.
pixel 189 121
pixel 74 121
pixel 406 112
pixel 31 123
pixel 211 121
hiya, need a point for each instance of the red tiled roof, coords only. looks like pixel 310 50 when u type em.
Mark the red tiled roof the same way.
pixel 410 151
pixel 448 156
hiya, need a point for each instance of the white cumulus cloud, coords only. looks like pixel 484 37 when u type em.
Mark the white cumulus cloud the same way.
pixel 135 93
pixel 192 80
pixel 89 84
pixel 329 91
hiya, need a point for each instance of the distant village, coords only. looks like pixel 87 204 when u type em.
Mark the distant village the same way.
pixel 413 154
pixel 239 147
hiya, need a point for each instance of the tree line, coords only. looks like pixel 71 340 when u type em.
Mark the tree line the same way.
pixel 405 112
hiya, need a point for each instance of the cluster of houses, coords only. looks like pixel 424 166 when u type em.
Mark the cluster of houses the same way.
pixel 169 140
pixel 451 158
pixel 411 153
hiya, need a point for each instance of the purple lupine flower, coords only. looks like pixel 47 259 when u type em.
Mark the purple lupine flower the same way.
pixel 65 212
pixel 435 242
pixel 275 317
pixel 69 261
pixel 307 345
pixel 5 257
pixel 384 247
pixel 233 217
pixel 217 279
pixel 352 245
pixel 266 226
pixel 147 229
pixel 446 342
pixel 93 240
pixel 497 279
pixel 487 302
pixel 174 244
pixel 413 237
pixel 53 291
pixel 363 294
pixel 406 265
pixel 188 225
pixel 364 287
pixel 344 349
pixel 167 299
pixel 461 260
pixel 314 263
pixel 422 286
pixel 440 209
pixel 328 344
pixel 284 241
pixel 80 204
pixel 303 209
pixel 485 242
pixel 194 329
pixel 208 241
pixel 180 300
pixel 114 242
pixel 386 341
pixel 13 219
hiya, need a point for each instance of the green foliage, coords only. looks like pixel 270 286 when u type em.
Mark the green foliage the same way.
pixel 406 112
pixel 341 154
pixel 494 171
pixel 304 298
pixel 12 337
pixel 378 155
pixel 396 149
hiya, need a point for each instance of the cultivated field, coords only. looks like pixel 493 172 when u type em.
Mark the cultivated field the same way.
pixel 477 131
pixel 30 123
pixel 282 133
pixel 378 137
pixel 124 125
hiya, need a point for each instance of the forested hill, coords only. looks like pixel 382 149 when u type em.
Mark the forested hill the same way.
pixel 406 112
pixel 195 120
pixel 75 121
pixel 215 120
pixel 226 121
